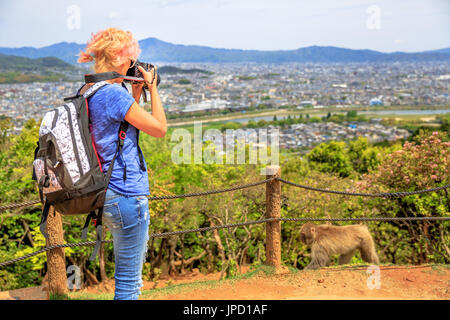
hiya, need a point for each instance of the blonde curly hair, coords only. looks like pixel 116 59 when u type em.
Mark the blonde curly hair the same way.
pixel 109 49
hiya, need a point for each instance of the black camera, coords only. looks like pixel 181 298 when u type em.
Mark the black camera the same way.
pixel 134 72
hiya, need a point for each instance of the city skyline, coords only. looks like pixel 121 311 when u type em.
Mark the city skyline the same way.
pixel 408 26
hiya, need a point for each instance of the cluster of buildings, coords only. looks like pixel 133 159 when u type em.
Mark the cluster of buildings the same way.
pixel 310 134
pixel 236 87
pixel 22 101
pixel 307 135
pixel 239 86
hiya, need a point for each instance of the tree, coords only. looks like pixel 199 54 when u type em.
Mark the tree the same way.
pixel 262 123
pixel 16 158
pixel 290 120
pixel 331 157
pixel 230 125
pixel 184 81
pixel 251 124
pixel 416 166
pixel 445 122
pixel 363 156
pixel 352 114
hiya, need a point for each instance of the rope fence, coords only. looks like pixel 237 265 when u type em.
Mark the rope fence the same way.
pixel 249 185
pixel 232 225
pixel 154 235
pixel 19 205
pixel 380 195
pixel 176 196
pixel 266 220
pixel 204 193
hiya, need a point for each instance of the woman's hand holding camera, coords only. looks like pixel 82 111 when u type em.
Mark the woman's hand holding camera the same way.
pixel 150 81
pixel 153 123
pixel 150 78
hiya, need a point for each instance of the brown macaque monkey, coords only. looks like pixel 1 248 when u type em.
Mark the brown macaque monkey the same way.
pixel 326 240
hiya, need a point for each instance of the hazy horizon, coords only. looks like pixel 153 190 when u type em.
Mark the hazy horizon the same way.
pixel 380 25
pixel 18 47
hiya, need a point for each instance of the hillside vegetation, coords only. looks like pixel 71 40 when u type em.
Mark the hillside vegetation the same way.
pixel 358 166
pixel 14 69
pixel 15 63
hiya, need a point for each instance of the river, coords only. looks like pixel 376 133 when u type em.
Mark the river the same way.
pixel 379 112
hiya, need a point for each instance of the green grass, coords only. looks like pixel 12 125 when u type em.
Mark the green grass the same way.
pixel 59 296
pixel 437 268
pixel 88 296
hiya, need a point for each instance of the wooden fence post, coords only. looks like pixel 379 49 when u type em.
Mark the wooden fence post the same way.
pixel 273 210
pixel 56 261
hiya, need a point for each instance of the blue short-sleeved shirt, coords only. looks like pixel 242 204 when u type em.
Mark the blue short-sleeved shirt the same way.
pixel 107 108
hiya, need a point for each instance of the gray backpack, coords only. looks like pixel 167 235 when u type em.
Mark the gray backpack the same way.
pixel 66 166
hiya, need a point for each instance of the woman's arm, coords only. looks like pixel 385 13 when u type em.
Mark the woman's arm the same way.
pixel 155 123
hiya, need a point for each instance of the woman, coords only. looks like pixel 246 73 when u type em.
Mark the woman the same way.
pixel 126 205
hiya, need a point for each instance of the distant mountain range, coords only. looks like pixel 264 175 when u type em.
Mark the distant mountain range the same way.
pixel 155 50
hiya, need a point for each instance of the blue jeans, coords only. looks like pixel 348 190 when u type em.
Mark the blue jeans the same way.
pixel 128 219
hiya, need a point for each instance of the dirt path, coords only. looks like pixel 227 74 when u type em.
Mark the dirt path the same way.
pixel 395 283
pixel 34 293
pixel 415 282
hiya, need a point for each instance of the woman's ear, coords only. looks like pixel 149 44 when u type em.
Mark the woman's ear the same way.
pixel 123 68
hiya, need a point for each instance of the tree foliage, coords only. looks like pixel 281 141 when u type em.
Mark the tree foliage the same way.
pixel 416 166
pixel 355 166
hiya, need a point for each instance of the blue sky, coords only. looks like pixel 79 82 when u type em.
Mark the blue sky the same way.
pixel 383 25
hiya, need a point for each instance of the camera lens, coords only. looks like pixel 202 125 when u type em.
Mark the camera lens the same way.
pixel 134 71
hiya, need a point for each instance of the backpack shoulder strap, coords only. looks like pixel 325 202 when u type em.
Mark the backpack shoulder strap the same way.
pixel 141 156
pixel 89 92
pixel 120 142
pixel 94 88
